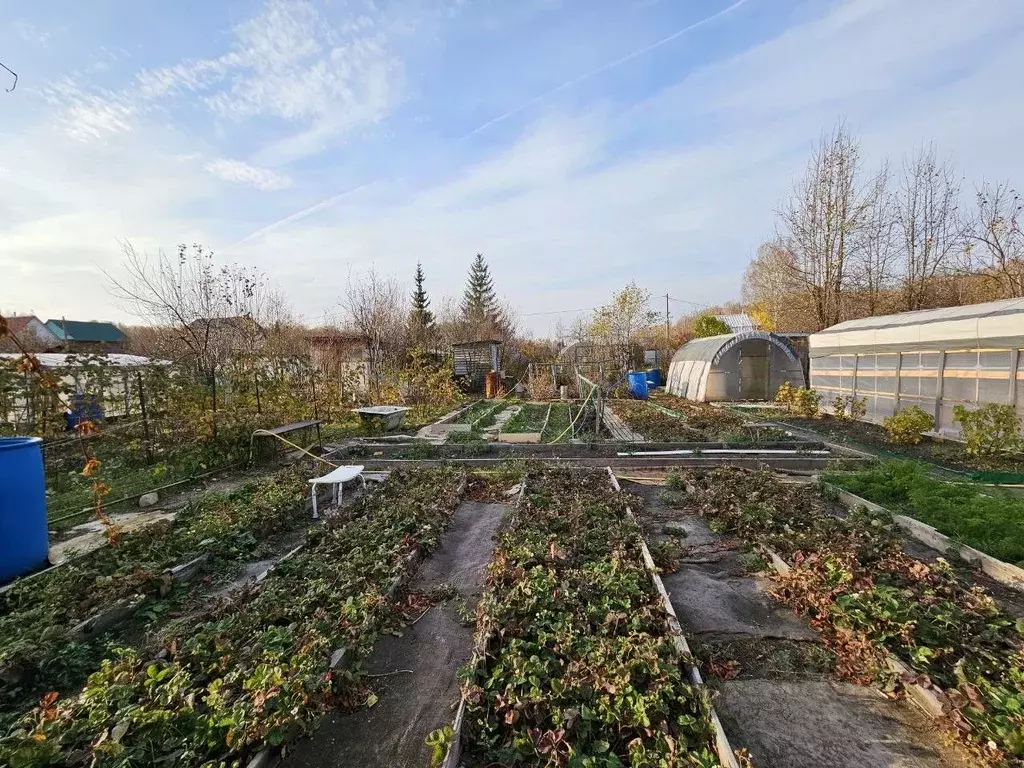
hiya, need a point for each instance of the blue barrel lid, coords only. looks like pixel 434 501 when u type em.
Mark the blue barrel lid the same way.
pixel 8 443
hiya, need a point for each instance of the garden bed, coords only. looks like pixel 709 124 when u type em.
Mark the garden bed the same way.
pixel 578 664
pixel 872 603
pixel 261 669
pixel 947 454
pixel 53 627
pixel 961 511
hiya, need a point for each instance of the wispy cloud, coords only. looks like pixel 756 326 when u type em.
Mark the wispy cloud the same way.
pixel 241 172
pixel 286 62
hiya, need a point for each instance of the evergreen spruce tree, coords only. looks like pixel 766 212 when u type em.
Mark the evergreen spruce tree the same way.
pixel 479 302
pixel 420 318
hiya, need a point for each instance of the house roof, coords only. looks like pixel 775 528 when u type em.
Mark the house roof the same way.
pixel 19 323
pixel 77 330
pixel 740 323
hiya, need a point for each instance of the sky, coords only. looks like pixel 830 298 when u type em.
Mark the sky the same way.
pixel 577 144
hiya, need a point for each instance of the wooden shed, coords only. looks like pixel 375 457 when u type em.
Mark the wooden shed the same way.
pixel 474 360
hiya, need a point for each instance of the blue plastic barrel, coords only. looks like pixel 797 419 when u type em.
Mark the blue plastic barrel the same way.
pixel 24 538
pixel 654 378
pixel 638 384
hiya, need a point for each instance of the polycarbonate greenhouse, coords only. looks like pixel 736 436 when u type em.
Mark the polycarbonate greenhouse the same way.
pixel 934 359
pixel 734 366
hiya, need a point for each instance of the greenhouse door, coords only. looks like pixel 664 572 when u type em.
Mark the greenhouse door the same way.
pixel 754 357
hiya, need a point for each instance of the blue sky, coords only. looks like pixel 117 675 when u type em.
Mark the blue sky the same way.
pixel 579 144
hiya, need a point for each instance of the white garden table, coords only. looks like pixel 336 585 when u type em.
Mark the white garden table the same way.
pixel 336 477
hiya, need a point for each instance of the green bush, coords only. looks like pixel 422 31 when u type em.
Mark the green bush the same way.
pixel 806 402
pixel 905 427
pixel 786 395
pixel 991 430
pixel 849 408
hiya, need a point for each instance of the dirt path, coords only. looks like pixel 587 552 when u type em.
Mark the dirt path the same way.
pixel 782 703
pixel 411 705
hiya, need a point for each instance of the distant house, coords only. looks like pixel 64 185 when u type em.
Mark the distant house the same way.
pixel 79 336
pixel 343 357
pixel 741 323
pixel 31 332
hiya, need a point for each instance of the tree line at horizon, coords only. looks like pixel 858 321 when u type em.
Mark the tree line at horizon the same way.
pixel 853 242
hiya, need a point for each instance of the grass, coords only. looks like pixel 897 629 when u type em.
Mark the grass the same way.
pixel 558 422
pixel 529 419
pixel 959 510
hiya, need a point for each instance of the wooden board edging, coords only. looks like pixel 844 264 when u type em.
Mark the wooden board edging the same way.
pixel 726 756
pixel 1005 573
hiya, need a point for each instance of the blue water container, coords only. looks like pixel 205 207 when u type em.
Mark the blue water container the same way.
pixel 654 378
pixel 638 384
pixel 24 538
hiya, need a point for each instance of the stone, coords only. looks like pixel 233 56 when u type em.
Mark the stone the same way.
pixel 148 499
pixel 674 529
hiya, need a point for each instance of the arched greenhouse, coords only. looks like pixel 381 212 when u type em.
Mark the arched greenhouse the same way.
pixel 735 366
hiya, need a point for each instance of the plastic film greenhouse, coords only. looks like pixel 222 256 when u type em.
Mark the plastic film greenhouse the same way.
pixel 734 366
pixel 934 359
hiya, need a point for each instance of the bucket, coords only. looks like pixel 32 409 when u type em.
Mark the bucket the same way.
pixel 654 378
pixel 24 537
pixel 638 385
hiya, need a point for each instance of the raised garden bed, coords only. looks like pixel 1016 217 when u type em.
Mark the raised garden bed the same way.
pixel 577 665
pixel 890 618
pixel 947 454
pixel 961 511
pixel 527 425
pixel 262 669
pixel 53 626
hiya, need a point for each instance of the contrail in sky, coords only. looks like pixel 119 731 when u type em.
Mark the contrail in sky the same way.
pixel 328 202
pixel 604 68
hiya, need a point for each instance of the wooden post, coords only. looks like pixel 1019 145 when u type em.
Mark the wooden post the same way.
pixel 1014 363
pixel 316 417
pixel 938 389
pixel 145 418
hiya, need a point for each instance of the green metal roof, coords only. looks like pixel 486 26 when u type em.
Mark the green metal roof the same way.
pixel 76 330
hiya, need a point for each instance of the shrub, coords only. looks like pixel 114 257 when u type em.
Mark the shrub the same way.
pixel 806 402
pixel 709 325
pixel 992 429
pixel 786 395
pixel 905 427
pixel 858 407
pixel 848 407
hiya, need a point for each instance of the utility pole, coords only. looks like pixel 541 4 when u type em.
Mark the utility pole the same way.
pixel 668 342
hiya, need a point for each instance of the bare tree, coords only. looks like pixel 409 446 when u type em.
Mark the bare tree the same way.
pixel 376 308
pixel 821 222
pixel 996 227
pixel 927 218
pixel 873 269
pixel 769 289
pixel 210 310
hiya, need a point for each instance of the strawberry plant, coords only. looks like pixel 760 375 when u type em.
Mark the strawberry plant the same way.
pixel 255 671
pixel 852 579
pixel 39 651
pixel 579 668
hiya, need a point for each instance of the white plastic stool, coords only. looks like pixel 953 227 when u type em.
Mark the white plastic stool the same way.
pixel 336 477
